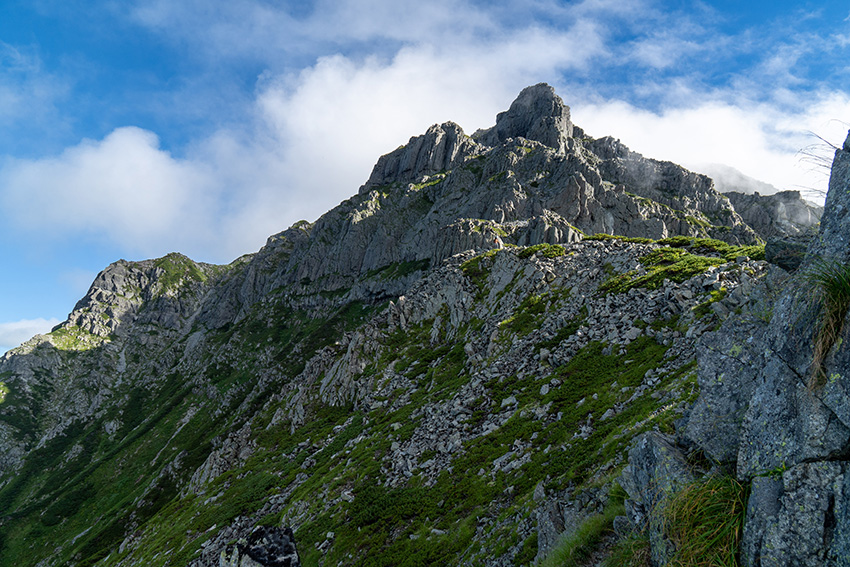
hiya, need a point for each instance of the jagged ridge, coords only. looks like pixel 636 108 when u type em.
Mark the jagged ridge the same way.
pixel 183 403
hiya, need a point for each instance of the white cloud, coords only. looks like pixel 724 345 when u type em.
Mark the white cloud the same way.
pixel 16 332
pixel 123 187
pixel 317 131
pixel 759 139
pixel 27 92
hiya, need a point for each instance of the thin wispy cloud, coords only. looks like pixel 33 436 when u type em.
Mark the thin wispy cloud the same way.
pixel 27 92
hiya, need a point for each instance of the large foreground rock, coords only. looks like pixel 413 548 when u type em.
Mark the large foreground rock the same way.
pixel 760 412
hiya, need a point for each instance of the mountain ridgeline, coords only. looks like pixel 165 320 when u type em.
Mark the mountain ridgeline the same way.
pixel 513 348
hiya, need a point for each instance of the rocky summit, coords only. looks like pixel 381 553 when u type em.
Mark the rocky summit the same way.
pixel 527 346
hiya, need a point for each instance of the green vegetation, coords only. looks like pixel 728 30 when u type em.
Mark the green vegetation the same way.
pixel 482 225
pixel 630 551
pixel 477 269
pixel 705 522
pixel 704 308
pixel 567 331
pixel 399 269
pixel 575 550
pixel 4 391
pixel 433 181
pixel 527 315
pixel 178 271
pixel 103 477
pixel 714 247
pixel 545 250
pixel 661 264
pixel 73 338
pixel 601 236
pixel 830 281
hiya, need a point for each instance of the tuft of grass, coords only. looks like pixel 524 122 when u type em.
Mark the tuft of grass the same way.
pixel 630 551
pixel 704 308
pixel 576 549
pixel 705 521
pixel 831 283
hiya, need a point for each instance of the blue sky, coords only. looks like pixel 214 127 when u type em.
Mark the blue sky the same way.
pixel 132 129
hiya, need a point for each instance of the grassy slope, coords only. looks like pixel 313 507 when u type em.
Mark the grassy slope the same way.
pixel 119 485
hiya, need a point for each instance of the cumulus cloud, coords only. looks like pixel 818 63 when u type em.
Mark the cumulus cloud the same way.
pixel 760 140
pixel 123 187
pixel 376 73
pixel 14 333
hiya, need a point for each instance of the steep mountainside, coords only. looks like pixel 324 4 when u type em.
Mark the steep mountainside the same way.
pixel 389 382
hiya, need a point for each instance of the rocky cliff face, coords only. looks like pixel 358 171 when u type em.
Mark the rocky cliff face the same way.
pixel 391 386
pixel 784 213
pixel 772 412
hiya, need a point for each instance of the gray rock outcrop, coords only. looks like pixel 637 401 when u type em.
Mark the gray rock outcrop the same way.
pixel 788 252
pixel 656 470
pixel 537 114
pixel 760 413
pixel 265 547
pixel 781 214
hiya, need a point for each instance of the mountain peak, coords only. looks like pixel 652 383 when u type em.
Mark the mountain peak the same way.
pixel 537 114
pixel 442 147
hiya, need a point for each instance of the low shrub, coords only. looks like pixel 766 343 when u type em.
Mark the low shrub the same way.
pixel 630 551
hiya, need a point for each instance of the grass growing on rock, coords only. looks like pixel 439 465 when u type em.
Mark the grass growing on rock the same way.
pixel 630 551
pixel 674 264
pixel 545 250
pixel 576 549
pixel 73 338
pixel 705 522
pixel 477 269
pixel 712 246
pixel 601 236
pixel 831 283
pixel 177 270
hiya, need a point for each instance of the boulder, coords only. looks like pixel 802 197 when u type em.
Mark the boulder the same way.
pixel 265 547
pixel 657 469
